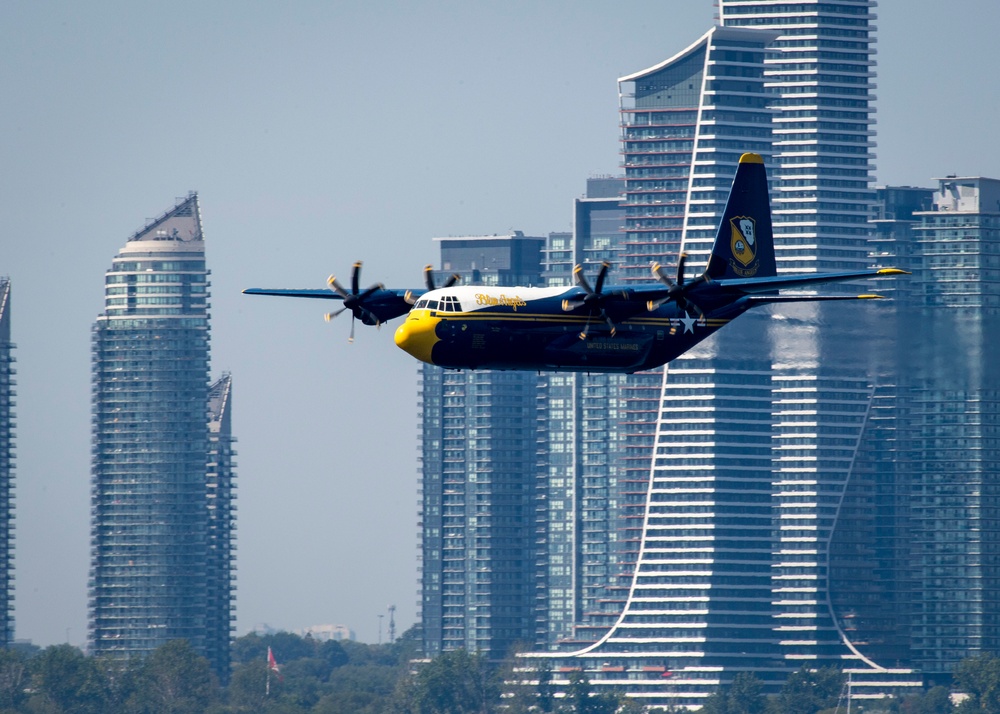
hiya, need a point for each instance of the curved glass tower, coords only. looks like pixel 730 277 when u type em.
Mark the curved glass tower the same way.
pixel 152 450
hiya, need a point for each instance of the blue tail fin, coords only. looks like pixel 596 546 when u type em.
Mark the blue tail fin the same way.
pixel 744 245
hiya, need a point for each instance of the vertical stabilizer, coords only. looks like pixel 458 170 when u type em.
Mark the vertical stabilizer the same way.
pixel 744 245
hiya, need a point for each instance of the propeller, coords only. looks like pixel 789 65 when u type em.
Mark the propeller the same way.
pixel 429 282
pixel 429 278
pixel 593 298
pixel 677 291
pixel 355 299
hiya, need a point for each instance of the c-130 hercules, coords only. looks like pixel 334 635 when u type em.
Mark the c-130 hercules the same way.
pixel 597 328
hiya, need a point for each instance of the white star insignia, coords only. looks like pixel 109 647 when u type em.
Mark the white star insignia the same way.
pixel 689 323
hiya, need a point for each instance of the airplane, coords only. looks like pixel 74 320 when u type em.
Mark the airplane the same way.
pixel 597 328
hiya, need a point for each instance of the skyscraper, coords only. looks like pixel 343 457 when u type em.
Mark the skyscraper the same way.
pixel 949 434
pixel 478 436
pixel 7 395
pixel 581 524
pixel 155 531
pixel 754 442
pixel 221 494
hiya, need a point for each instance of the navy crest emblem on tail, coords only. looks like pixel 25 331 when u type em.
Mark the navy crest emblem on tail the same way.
pixel 743 245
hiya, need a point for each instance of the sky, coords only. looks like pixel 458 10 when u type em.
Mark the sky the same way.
pixel 317 134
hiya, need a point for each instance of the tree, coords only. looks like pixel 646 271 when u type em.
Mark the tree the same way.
pixel 935 701
pixel 742 696
pixel 581 699
pixel 979 677
pixel 66 678
pixel 248 687
pixel 807 691
pixel 13 678
pixel 174 679
pixel 454 683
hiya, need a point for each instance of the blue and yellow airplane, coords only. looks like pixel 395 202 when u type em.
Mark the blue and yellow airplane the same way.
pixel 595 328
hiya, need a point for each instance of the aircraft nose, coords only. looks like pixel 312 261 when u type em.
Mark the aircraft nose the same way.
pixel 417 335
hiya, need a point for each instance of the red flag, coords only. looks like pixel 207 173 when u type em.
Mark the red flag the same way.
pixel 272 664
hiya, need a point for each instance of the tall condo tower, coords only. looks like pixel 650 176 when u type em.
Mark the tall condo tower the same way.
pixel 6 468
pixel 820 74
pixel 158 466
pixel 753 444
pixel 950 435
pixel 478 443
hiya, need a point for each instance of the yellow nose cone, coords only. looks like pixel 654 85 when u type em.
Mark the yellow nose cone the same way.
pixel 417 335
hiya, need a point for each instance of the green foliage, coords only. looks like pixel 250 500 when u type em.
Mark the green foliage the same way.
pixel 174 680
pixel 935 701
pixel 64 679
pixel 453 683
pixel 13 678
pixel 979 677
pixel 808 691
pixel 742 696
pixel 581 699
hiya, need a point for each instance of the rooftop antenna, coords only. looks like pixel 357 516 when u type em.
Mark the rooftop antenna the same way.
pixel 392 624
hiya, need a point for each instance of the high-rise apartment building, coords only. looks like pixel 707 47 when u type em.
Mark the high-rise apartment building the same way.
pixel 221 494
pixel 478 444
pixel 7 425
pixel 162 477
pixel 581 515
pixel 949 434
pixel 757 430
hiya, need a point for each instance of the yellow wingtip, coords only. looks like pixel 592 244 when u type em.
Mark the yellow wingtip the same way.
pixel 893 271
pixel 749 158
pixel 871 296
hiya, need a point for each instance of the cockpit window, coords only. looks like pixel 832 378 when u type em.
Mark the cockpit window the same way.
pixel 447 303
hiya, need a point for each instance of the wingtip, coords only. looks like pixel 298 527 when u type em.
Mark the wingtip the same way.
pixel 894 271
pixel 749 158
pixel 871 296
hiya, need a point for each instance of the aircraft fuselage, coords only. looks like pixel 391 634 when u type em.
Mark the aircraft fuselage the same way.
pixel 520 328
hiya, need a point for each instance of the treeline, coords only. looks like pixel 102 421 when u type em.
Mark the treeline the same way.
pixel 353 678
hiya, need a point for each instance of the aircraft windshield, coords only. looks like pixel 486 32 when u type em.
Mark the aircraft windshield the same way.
pixel 448 303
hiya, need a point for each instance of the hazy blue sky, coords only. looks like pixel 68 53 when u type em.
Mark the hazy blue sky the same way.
pixel 319 133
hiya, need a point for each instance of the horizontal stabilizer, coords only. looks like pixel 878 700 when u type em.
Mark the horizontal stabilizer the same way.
pixel 786 282
pixel 757 300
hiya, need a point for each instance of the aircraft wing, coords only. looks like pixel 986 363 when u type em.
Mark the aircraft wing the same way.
pixel 382 304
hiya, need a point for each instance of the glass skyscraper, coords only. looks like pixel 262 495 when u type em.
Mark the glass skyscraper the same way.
pixel 950 429
pixel 478 450
pixel 755 442
pixel 7 425
pixel 161 512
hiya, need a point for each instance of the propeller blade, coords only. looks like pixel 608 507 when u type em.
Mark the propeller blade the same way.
pixel 368 292
pixel 452 280
pixel 350 338
pixel 601 274
pixel 681 259
pixel 337 287
pixel 429 277
pixel 570 305
pixel 582 280
pixel 356 277
pixel 662 276
pixel 330 315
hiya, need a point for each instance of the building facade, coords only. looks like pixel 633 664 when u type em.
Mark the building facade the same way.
pixel 757 436
pixel 950 432
pixel 478 443
pixel 7 432
pixel 155 458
